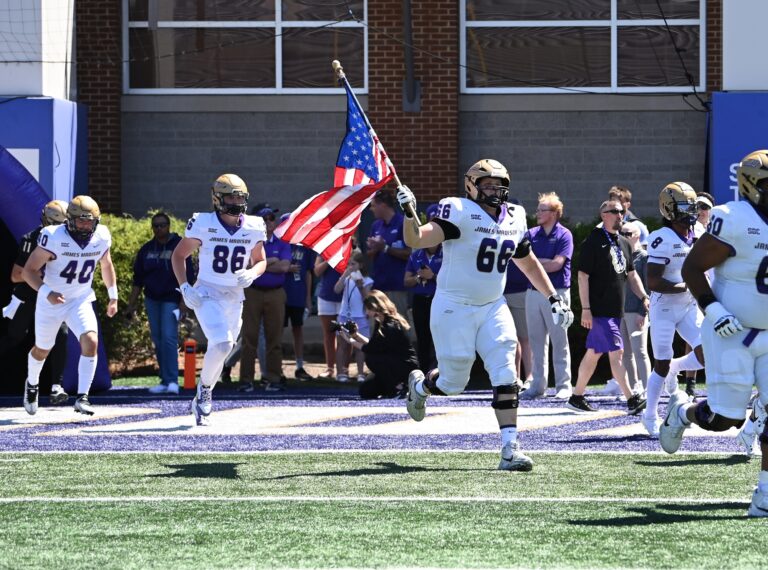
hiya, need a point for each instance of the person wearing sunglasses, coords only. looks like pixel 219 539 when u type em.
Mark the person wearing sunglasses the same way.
pixel 605 267
pixel 624 196
pixel 705 202
pixel 153 274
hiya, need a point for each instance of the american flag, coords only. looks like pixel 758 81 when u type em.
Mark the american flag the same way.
pixel 327 221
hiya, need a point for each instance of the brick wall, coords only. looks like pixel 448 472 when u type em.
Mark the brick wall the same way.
pixel 99 86
pixel 423 146
pixel 714 45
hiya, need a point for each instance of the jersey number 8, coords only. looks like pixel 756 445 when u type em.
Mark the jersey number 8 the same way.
pixel 221 261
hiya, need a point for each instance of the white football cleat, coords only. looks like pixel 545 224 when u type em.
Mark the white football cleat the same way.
pixel 512 459
pixel 202 404
pixel 416 404
pixel 672 429
pixel 58 395
pixel 83 406
pixel 30 398
pixel 651 425
pixel 759 505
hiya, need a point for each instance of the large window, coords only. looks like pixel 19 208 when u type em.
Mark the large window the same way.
pixel 242 46
pixel 598 46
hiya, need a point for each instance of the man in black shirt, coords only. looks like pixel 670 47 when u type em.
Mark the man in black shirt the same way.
pixel 21 309
pixel 605 267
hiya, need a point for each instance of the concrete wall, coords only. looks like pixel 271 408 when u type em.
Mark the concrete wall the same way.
pixel 581 154
pixel 171 159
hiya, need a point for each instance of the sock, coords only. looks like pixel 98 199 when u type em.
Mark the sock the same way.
pixel 687 362
pixel 749 425
pixel 34 366
pixel 86 370
pixel 299 363
pixel 762 482
pixel 213 363
pixel 653 395
pixel 508 434
pixel 681 413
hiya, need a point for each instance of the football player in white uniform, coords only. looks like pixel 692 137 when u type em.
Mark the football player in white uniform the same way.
pixel 231 256
pixel 480 235
pixel 69 253
pixel 673 308
pixel 735 336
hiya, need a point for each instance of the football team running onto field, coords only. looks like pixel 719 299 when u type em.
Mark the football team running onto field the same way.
pixel 480 235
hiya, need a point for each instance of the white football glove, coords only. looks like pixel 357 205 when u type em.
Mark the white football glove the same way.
pixel 246 276
pixel 405 197
pixel 192 297
pixel 722 320
pixel 561 313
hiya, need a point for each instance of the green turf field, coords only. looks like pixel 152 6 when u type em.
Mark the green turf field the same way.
pixel 382 509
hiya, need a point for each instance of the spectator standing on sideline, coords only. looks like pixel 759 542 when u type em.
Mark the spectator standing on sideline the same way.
pixel 354 285
pixel 328 305
pixel 515 291
pixel 634 324
pixel 481 233
pixel 388 352
pixel 298 300
pixel 21 309
pixel 387 250
pixel 421 278
pixel 265 304
pixel 231 256
pixel 624 196
pixel 605 267
pixel 552 243
pixel 153 272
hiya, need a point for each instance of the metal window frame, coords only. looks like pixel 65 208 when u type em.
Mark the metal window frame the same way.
pixel 614 23
pixel 277 24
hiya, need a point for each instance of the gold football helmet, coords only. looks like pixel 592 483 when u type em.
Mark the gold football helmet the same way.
pixel 487 168
pixel 229 185
pixel 677 202
pixel 82 208
pixel 54 213
pixel 751 174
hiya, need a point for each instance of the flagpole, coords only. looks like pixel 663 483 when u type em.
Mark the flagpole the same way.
pixel 342 79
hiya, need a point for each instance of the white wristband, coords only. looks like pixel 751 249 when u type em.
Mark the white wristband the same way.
pixel 44 291
pixel 112 292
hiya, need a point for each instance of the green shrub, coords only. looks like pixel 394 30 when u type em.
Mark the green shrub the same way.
pixel 127 342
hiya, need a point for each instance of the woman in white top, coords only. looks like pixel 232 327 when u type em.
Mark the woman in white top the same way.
pixel 354 285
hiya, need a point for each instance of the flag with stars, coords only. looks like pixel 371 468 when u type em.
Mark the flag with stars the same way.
pixel 327 221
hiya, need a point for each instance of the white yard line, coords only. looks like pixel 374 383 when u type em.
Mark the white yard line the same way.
pixel 321 499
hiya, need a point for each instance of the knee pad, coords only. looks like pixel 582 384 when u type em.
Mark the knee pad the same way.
pixel 508 403
pixel 711 421
pixel 220 350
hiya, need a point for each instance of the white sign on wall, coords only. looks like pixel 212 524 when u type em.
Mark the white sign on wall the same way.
pixel 743 60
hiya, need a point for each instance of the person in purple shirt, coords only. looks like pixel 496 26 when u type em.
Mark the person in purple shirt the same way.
pixel 387 250
pixel 152 272
pixel 553 245
pixel 421 277
pixel 514 293
pixel 265 301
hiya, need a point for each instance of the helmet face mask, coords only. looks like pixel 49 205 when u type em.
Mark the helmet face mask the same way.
pixel 677 203
pixel 83 217
pixel 54 213
pixel 233 187
pixel 487 192
pixel 752 175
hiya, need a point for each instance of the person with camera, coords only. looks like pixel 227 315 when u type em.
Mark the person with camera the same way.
pixel 354 285
pixel 388 352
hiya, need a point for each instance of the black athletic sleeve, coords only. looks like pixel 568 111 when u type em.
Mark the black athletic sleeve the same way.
pixel 523 249
pixel 450 230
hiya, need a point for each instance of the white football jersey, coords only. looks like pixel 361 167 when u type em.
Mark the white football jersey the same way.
pixel 741 281
pixel 667 248
pixel 474 269
pixel 70 272
pixel 224 250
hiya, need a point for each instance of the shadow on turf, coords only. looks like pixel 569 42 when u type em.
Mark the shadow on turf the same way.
pixel 202 471
pixel 683 513
pixel 732 460
pixel 383 468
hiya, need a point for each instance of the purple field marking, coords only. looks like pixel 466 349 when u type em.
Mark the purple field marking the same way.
pixel 569 437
